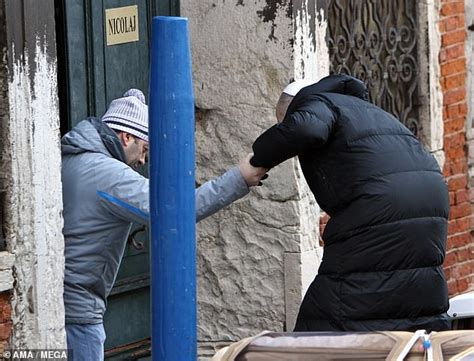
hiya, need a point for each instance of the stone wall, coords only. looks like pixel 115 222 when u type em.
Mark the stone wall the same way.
pixel 459 263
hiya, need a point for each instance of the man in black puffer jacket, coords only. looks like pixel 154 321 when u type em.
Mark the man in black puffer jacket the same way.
pixel 388 202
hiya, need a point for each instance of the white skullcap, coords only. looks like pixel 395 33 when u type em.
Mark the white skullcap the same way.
pixel 294 87
pixel 129 114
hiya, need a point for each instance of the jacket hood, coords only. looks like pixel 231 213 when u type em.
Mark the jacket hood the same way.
pixel 92 135
pixel 339 83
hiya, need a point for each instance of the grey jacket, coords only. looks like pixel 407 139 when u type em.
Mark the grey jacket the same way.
pixel 102 196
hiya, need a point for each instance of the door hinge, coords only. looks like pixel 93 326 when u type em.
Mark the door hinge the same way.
pixel 471 27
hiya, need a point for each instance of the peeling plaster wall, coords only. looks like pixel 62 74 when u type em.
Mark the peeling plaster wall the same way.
pixel 34 200
pixel 244 53
pixel 311 54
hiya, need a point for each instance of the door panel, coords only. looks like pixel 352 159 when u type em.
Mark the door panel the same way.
pixel 91 74
pixel 98 73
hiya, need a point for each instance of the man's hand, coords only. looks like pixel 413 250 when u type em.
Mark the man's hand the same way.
pixel 251 174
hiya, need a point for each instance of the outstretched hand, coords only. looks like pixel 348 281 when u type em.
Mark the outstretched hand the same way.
pixel 252 175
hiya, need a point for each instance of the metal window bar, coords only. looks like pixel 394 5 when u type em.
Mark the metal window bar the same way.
pixel 376 41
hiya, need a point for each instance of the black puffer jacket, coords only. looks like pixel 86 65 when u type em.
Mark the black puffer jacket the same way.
pixel 388 202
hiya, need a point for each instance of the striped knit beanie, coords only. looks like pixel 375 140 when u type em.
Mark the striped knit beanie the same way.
pixel 129 114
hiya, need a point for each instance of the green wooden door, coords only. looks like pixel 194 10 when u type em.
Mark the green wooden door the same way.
pixel 90 75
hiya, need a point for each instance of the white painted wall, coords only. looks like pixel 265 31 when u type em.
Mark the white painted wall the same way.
pixel 34 202
pixel 257 256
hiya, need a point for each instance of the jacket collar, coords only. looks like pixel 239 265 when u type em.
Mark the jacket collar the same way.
pixel 109 138
pixel 92 135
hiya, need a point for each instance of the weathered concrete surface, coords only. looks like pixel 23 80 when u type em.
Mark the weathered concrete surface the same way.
pixel 244 53
pixel 6 276
pixel 297 283
pixel 431 111
pixel 33 202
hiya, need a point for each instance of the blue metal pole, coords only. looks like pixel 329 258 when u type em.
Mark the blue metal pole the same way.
pixel 173 217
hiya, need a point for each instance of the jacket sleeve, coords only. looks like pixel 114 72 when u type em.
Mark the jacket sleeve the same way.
pixel 300 131
pixel 220 192
pixel 128 196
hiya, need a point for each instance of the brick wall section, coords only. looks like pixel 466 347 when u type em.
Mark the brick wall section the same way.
pixel 459 263
pixel 5 320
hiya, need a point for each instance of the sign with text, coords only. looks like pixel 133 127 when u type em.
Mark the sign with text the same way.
pixel 121 25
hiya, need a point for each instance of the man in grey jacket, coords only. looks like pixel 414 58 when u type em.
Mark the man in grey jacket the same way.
pixel 103 194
